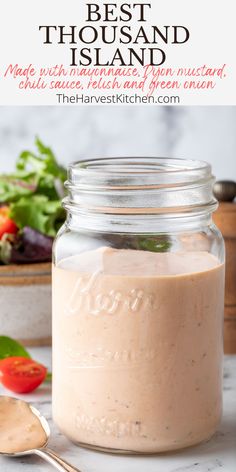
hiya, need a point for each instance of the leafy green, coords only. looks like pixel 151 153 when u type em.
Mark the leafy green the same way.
pixel 13 187
pixel 39 213
pixel 10 348
pixel 33 193
pixel 154 244
pixel 35 174
pixel 43 163
pixel 48 377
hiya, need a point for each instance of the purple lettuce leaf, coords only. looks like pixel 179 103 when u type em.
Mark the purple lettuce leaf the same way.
pixel 31 246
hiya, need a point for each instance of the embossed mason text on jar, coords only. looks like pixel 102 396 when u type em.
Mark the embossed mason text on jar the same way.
pixel 138 292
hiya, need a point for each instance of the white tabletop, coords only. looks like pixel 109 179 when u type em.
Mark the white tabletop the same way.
pixel 218 454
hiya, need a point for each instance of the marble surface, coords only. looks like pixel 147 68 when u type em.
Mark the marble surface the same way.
pixel 218 454
pixel 206 133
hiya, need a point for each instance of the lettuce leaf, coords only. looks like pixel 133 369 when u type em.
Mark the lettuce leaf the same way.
pixel 15 186
pixel 42 163
pixel 31 246
pixel 34 191
pixel 39 213
pixel 36 173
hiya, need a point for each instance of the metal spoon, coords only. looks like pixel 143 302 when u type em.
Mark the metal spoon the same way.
pixel 38 449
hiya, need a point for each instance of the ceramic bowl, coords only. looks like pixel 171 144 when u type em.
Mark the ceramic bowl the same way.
pixel 25 308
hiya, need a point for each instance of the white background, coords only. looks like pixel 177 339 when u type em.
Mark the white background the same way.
pixel 207 133
pixel 211 24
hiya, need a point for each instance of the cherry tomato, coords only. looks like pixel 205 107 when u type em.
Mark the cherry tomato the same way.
pixel 7 225
pixel 21 375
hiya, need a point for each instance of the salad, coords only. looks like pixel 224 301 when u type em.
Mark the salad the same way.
pixel 30 207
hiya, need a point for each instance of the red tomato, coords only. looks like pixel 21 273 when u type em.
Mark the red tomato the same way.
pixel 6 224
pixel 21 375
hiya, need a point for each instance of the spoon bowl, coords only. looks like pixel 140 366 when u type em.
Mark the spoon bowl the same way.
pixel 44 425
pixel 20 424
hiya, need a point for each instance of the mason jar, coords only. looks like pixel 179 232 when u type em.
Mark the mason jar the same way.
pixel 138 296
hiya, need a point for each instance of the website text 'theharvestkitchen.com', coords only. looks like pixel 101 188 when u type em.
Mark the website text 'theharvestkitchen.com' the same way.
pixel 116 99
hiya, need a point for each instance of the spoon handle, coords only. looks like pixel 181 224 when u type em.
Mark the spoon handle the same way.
pixel 55 460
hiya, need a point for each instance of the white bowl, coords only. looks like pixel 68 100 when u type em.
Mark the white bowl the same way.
pixel 25 303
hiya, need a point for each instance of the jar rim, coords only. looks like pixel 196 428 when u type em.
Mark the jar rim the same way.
pixel 190 164
pixel 112 172
pixel 140 185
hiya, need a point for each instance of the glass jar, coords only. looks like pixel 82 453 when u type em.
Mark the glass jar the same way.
pixel 138 296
